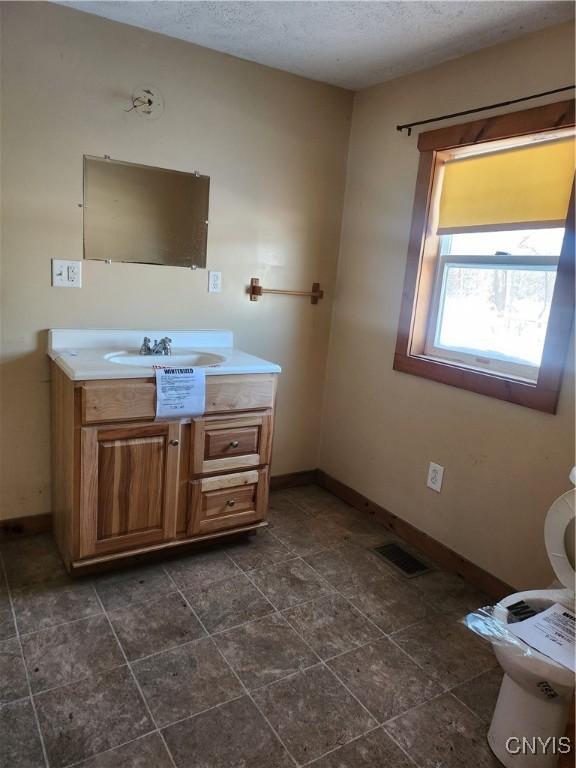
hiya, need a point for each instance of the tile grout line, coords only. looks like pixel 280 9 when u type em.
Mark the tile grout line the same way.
pixel 354 648
pixel 340 746
pixel 395 740
pixel 244 687
pixel 331 671
pixel 93 585
pixel 77 680
pixel 420 666
pixel 201 711
pixel 153 731
pixel 170 648
pixel 248 574
pixel 416 706
pixel 289 553
pixel 208 635
pixel 33 632
pixel 414 623
pixel 470 679
pixel 379 727
pixel 335 545
pixel 293 556
pixel 136 683
pixel 348 599
pixel 60 623
pixel 277 539
pixel 290 557
pixel 447 688
pixel 387 635
pixel 391 637
pixel 29 686
pixel 476 715
pixel 384 635
pixel 402 749
pixel 106 751
pixel 177 591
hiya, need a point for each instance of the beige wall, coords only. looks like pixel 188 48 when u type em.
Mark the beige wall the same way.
pixel 274 146
pixel 504 463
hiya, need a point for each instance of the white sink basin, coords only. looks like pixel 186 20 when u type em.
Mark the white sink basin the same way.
pixel 198 359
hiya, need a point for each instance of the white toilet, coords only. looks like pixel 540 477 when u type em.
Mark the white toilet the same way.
pixel 536 692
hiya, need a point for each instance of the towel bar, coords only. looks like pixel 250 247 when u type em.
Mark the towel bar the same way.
pixel 256 290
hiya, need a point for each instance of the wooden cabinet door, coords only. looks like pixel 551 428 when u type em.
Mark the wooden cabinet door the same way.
pixel 128 486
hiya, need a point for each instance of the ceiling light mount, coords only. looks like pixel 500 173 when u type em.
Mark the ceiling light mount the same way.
pixel 147 101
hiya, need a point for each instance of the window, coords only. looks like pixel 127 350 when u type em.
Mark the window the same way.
pixel 492 299
pixel 489 292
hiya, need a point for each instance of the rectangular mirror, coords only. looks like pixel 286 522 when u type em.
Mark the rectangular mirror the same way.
pixel 143 214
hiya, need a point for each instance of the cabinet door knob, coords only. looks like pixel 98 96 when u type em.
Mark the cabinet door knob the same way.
pixel 230 502
pixel 174 442
pixel 234 444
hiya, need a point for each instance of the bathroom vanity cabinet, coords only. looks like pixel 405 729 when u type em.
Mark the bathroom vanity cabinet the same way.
pixel 125 484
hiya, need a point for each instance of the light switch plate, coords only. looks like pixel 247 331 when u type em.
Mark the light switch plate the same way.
pixel 66 274
pixel 435 476
pixel 214 282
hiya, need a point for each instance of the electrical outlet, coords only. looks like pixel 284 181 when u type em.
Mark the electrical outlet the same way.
pixel 435 476
pixel 214 282
pixel 66 274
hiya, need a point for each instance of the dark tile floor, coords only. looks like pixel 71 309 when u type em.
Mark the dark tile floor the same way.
pixel 293 647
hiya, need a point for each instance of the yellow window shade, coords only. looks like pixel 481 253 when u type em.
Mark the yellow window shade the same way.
pixel 511 189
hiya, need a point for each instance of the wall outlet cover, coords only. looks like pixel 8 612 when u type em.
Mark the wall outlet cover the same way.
pixel 66 274
pixel 435 476
pixel 214 282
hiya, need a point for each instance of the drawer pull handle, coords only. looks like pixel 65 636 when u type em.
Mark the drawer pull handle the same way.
pixel 231 502
pixel 174 442
pixel 234 444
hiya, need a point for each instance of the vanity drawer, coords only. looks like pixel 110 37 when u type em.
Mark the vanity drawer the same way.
pixel 117 401
pixel 228 501
pixel 220 443
pixel 223 443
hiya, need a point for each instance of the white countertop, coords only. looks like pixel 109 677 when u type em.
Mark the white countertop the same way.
pixel 84 354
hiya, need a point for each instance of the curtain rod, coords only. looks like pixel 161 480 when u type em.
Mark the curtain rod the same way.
pixel 408 126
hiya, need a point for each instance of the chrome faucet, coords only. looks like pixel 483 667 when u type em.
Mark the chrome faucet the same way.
pixel 161 347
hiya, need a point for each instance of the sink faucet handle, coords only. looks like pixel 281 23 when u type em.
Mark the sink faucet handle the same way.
pixel 145 348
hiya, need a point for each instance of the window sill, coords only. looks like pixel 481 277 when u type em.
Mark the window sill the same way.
pixel 458 363
pixel 512 390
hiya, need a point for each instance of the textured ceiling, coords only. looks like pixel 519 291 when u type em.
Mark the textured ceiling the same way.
pixel 351 44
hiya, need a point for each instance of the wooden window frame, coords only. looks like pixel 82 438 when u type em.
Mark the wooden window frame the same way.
pixel 422 259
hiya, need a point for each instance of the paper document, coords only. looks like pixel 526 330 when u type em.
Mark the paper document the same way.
pixel 180 392
pixel 551 632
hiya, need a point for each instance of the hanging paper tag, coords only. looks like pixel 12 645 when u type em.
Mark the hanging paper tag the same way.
pixel 552 632
pixel 180 392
